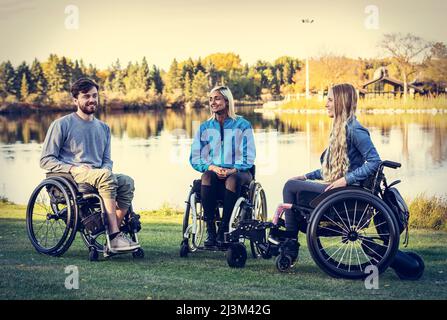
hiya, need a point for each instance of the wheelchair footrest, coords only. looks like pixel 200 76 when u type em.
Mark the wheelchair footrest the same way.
pixel 248 229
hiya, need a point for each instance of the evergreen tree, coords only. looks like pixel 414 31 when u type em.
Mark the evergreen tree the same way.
pixel 173 78
pixel 7 76
pixel 24 87
pixel 143 76
pixel 156 79
pixel 187 90
pixel 199 86
pixel 117 77
pixel 76 72
pixel 38 83
pixel 57 73
pixel 22 70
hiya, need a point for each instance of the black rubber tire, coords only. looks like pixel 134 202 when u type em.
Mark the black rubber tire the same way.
pixel 184 250
pixel 256 252
pixel 324 261
pixel 236 255
pixel 69 231
pixel 283 262
pixel 138 254
pixel 93 255
pixel 194 241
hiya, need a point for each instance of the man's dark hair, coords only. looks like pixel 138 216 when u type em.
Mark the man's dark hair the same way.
pixel 82 85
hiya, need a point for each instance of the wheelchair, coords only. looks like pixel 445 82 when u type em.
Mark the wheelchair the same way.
pixel 59 207
pixel 250 206
pixel 347 230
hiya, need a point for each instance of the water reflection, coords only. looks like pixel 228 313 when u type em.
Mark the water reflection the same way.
pixel 154 147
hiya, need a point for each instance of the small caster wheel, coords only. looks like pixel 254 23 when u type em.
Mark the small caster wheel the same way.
pixel 93 255
pixel 283 262
pixel 138 254
pixel 184 250
pixel 236 255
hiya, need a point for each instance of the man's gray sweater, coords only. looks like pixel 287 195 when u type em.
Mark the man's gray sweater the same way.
pixel 72 141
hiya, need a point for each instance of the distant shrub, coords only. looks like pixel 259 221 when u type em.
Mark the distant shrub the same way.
pixel 428 212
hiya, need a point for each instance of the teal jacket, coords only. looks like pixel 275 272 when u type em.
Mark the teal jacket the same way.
pixel 229 146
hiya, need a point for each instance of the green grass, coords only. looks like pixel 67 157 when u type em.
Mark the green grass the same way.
pixel 162 274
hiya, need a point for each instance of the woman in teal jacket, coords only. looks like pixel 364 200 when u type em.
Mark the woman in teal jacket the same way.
pixel 224 151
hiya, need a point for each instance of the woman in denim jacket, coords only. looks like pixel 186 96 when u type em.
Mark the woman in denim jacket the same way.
pixel 349 159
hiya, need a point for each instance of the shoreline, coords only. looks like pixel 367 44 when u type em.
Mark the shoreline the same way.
pixel 25 108
pixel 367 111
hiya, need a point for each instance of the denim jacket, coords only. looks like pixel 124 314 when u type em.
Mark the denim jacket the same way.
pixel 363 157
pixel 230 146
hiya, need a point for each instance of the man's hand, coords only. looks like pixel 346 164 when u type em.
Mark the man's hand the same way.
pixel 81 168
pixel 337 184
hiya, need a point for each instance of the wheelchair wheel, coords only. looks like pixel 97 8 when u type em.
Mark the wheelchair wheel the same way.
pixel 259 203
pixel 236 255
pixel 350 230
pixel 51 217
pixel 193 224
pixel 138 254
pixel 283 262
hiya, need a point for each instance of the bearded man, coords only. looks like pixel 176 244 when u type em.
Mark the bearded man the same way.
pixel 79 144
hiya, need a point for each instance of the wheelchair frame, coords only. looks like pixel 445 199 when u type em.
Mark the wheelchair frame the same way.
pixel 77 199
pixel 251 205
pixel 371 193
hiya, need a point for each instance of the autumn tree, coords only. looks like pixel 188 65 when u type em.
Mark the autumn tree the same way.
pixel 405 49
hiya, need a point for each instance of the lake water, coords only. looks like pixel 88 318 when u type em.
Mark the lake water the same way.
pixel 153 147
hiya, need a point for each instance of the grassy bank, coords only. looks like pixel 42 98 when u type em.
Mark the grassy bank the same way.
pixel 374 104
pixel 25 274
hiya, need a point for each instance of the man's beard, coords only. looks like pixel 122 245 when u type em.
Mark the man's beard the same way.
pixel 88 109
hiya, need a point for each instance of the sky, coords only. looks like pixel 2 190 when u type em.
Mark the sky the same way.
pixel 101 31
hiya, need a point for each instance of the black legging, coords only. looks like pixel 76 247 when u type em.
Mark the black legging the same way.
pixel 302 193
pixel 228 189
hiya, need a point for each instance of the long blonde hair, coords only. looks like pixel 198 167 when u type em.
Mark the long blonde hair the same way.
pixel 336 161
pixel 228 96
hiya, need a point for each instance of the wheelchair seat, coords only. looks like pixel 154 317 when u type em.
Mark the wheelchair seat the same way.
pixel 81 187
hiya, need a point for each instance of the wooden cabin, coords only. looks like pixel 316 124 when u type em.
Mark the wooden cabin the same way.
pixel 384 86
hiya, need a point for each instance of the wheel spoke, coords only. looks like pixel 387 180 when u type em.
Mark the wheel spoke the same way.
pixel 370 241
pixel 361 218
pixel 337 224
pixel 350 256
pixel 347 215
pixel 343 233
pixel 344 252
pixel 41 226
pixel 46 234
pixel 340 218
pixel 381 257
pixel 335 252
pixel 368 221
pixel 357 253
pixel 366 257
